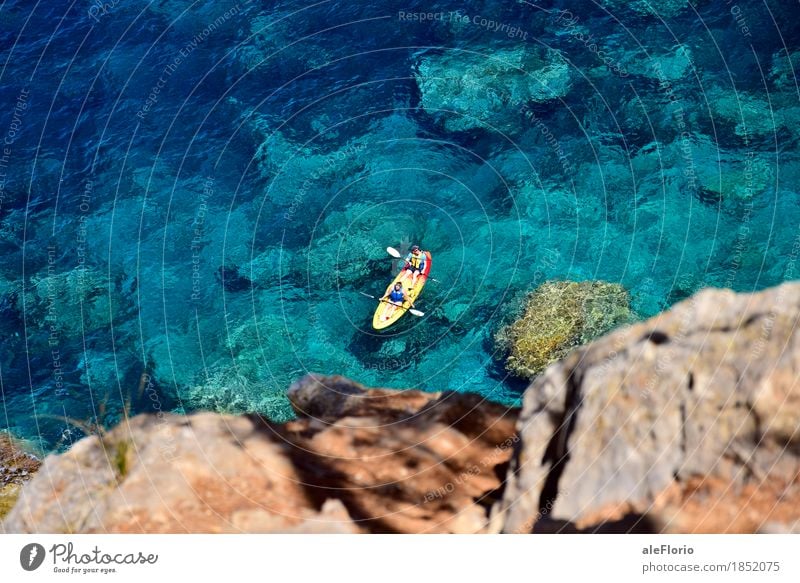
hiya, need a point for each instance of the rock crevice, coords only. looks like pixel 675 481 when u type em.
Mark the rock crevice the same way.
pixel 354 460
pixel 668 435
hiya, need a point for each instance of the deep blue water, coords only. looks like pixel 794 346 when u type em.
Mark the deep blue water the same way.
pixel 192 194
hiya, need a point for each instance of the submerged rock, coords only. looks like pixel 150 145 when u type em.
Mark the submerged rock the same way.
pixel 697 164
pixel 558 316
pixel 752 114
pixel 268 42
pixel 728 176
pixel 689 422
pixel 355 460
pixel 76 301
pixel 672 65
pixel 782 71
pixel 470 90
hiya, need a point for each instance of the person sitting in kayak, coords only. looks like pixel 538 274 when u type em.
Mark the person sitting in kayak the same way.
pixel 415 263
pixel 395 296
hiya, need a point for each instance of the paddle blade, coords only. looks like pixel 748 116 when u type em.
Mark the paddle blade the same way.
pixel 393 252
pixel 414 312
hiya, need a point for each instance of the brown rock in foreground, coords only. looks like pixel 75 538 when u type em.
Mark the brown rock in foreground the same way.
pixel 427 463
pixel 689 422
pixel 355 460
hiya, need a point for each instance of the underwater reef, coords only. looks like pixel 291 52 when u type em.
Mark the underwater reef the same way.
pixel 685 423
pixel 472 90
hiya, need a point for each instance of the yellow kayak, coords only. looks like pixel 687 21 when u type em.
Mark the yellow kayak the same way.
pixel 380 319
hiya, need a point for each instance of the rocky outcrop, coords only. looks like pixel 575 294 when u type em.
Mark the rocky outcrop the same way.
pixel 355 460
pixel 559 316
pixel 689 422
pixel 16 468
pixel 468 90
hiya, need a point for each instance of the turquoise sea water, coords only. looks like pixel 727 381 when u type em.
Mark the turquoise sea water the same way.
pixel 193 194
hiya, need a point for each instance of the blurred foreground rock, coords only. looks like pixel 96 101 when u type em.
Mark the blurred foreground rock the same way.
pixel 355 460
pixel 689 422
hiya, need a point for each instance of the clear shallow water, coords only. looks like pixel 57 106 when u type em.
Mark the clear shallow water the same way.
pixel 194 194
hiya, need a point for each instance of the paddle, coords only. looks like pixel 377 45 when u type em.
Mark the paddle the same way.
pixel 396 254
pixel 412 311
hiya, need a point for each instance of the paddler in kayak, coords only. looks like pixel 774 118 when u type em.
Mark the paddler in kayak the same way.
pixel 395 297
pixel 415 263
